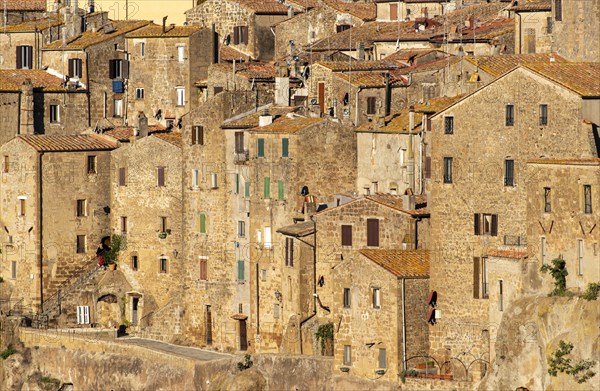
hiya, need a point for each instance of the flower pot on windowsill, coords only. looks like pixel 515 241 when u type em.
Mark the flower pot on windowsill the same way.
pixel 380 372
pixel 344 369
pixel 162 235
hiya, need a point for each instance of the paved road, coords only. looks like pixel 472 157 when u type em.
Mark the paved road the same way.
pixel 193 353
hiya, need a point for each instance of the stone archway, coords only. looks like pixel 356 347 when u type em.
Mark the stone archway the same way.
pixel 108 310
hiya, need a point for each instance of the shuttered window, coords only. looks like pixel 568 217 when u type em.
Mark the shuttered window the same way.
pixel 116 69
pixel 267 187
pixel 247 189
pixel 202 223
pixel 204 269
pixel 346 297
pixel 543 115
pixel 587 199
pixel 240 35
pixel 75 68
pixel 122 177
pixel 237 184
pixel 373 232
pixel 371 105
pixel 346 235
pixel 485 224
pixel 285 147
pixel 427 169
pixel 280 190
pixel 558 10
pixel 382 359
pixel 241 275
pixel 198 135
pixel 447 170
pixel 160 174
pixel 261 147
pixel 510 115
pixel 24 57
pixel 289 252
pixel 239 142
pixel 509 172
pixel 476 275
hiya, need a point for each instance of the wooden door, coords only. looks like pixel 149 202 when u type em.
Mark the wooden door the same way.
pixel 208 326
pixel 243 336
pixel 322 97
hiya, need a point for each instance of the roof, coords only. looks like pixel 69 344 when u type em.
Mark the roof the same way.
pixel 406 55
pixel 363 11
pixel 11 80
pixel 401 263
pixel 271 7
pixel 228 54
pixel 87 142
pixel 33 25
pixel 250 70
pixel 429 66
pixel 500 64
pixel 371 79
pixel 515 254
pixel 484 31
pixel 298 230
pixel 594 161
pixel 251 120
pixel 173 138
pixel 580 77
pixel 399 122
pixel 155 31
pixel 288 125
pixel 395 202
pixel 537 5
pixel 24 5
pixel 354 65
pixel 90 38
pixel 124 133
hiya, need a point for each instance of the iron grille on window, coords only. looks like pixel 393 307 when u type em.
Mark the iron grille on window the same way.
pixel 449 125
pixel 509 173
pixel 510 115
pixel 447 170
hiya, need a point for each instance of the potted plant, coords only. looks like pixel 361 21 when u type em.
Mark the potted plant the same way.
pixel 117 243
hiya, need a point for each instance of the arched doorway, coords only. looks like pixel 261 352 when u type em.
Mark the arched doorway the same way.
pixel 108 310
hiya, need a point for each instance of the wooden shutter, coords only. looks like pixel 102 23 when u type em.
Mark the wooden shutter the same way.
pixel 71 67
pixel 161 176
pixel 111 69
pixel 371 105
pixel 239 142
pixel 476 276
pixel 291 252
pixel 194 135
pixel 202 223
pixel 261 147
pixel 477 224
pixel 79 66
pixel 280 190
pixel 346 235
pixel 125 69
pixel 267 187
pixel 373 232
pixel 241 271
pixel 494 225
pixel 285 147
pixel 245 34
pixel 29 58
pixel 236 35
pixel 558 10
pixel 19 57
pixel 427 167
pixel 122 176
pixel 203 269
pixel 393 11
pixel 200 135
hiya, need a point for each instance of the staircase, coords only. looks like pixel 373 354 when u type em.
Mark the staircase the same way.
pixel 162 324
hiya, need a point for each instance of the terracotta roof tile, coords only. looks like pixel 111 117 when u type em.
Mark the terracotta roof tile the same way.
pixel 497 253
pixel 537 5
pixel 288 125
pixel 304 4
pixel 370 79
pixel 568 162
pixel 24 5
pixel 124 133
pixel 354 65
pixel 37 24
pixel 251 120
pixel 405 56
pixel 298 230
pixel 87 142
pixel 395 202
pixel 250 70
pixel 401 263
pixel 90 38
pixel 500 64
pixel 580 77
pixel 363 11
pixel 481 12
pixel 228 54
pixel 264 6
pixel 428 66
pixel 170 137
pixel 12 80
pixel 155 31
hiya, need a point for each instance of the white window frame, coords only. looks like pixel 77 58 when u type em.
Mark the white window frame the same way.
pixel 180 96
pixel 181 53
pixel 214 182
pixel 377 298
pixel 83 314
pixel 268 243
pixel 347 355
pixel 54 113
pixel 580 252
pixel 13 270
pixel 139 93
pixel 195 178
pixel 118 108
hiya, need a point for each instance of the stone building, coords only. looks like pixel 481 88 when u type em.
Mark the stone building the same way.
pixel 18 11
pixel 54 194
pixel 574 29
pixel 146 208
pixel 244 24
pixel 164 64
pixel 480 147
pixel 480 37
pixel 143 9
pixel 37 102
pixel 394 10
pixel 97 59
pixel 562 213
pixel 380 312
pixel 533 27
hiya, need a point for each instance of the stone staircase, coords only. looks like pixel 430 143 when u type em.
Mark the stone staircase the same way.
pixel 163 324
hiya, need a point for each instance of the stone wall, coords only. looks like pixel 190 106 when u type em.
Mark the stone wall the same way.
pixel 575 36
pixel 531 32
pixel 9 43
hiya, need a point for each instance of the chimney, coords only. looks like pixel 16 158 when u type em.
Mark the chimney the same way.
pixel 411 118
pixel 282 85
pixel 265 119
pixel 164 24
pixel 290 12
pixel 142 125
pixel 388 95
pixel 361 51
pixel 27 124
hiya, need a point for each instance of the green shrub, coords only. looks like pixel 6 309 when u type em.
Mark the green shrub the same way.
pixel 558 271
pixel 246 364
pixel 9 351
pixel 559 363
pixel 591 293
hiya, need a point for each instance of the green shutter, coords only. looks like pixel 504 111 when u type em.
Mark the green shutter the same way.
pixel 267 187
pixel 285 147
pixel 237 183
pixel 202 223
pixel 240 270
pixel 261 147
pixel 280 190
pixel 247 189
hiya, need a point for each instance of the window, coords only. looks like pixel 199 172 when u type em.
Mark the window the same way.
pixel 6 164
pixel 181 53
pixel 427 169
pixel 280 190
pixel 236 189
pixel 448 125
pixel 198 135
pixel 373 232
pixel 163 265
pixel 393 11
pixel 263 274
pixel 587 199
pixel 382 359
pixel 346 235
pixel 377 298
pixel 204 268
pixel 558 10
pixel 122 176
pixel 289 251
pixel 160 176
pixel 22 206
pixel 549 25
pixel 91 165
pixel 83 314
pixel 81 208
pixel 480 278
pixel 117 107
pixel 509 172
pixel 543 115
pixel 142 49
pixel 214 184
pixel 261 147
pixel 217 90
pixel 163 224
pixel 346 297
pixel 13 270
pixel 347 355
pixel 510 115
pixel 202 223
pixel 195 178
pixel 342 27
pixel 285 147
pixel 547 200
pixel 580 257
pixel 276 311
pixel 267 187
pixel 240 35
pixel 24 57
pixel 54 113
pixel 486 224
pixel 543 250
pixel 239 142
pixel 180 96
pixel 115 69
pixel 139 93
pixel 134 262
pixel 75 68
pixel 241 270
pixel 241 229
pixel 247 189
pixel 447 170
pixel 124 224
pixel 500 295
pixel 371 105
pixel 268 242
pixel 80 244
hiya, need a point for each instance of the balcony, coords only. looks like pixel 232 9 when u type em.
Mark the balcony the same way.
pixel 241 157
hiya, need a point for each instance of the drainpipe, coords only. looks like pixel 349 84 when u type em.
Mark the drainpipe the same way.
pixel 314 246
pixel 41 261
pixel 388 95
pixel 88 87
pixel 356 111
pixel 422 141
pixel 257 301
pixel 404 323
pixel 411 154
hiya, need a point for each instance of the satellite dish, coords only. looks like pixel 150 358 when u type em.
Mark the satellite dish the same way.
pixel 432 300
pixel 431 316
